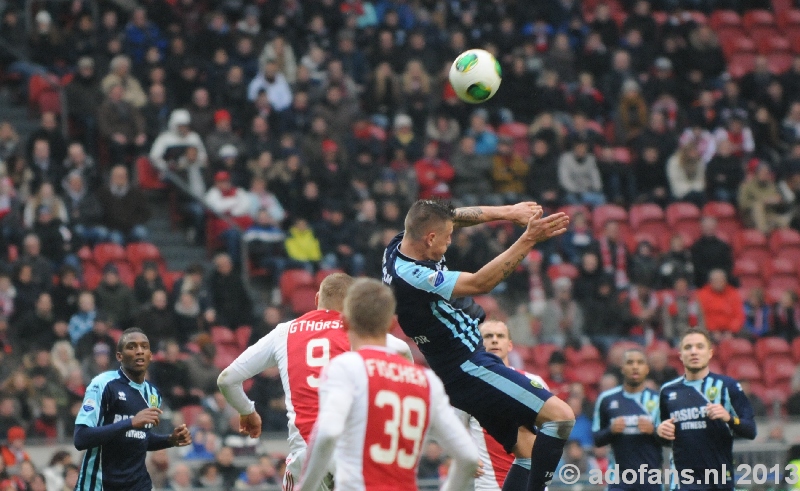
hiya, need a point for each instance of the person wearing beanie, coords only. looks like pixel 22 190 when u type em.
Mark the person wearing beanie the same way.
pixel 14 452
pixel 222 135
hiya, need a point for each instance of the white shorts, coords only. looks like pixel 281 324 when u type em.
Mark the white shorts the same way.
pixel 294 467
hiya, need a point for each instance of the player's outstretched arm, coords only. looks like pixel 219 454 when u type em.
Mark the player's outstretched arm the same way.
pixel 86 437
pixel 473 215
pixel 336 395
pixel 451 434
pixel 253 361
pixel 538 229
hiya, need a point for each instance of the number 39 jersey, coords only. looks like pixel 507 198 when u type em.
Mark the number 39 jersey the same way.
pixel 380 407
pixel 300 349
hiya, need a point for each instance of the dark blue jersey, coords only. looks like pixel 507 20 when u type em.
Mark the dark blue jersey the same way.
pixel 119 462
pixel 445 329
pixel 631 448
pixel 700 442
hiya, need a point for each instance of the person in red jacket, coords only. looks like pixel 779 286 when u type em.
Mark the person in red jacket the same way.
pixel 722 306
pixel 14 452
pixel 433 174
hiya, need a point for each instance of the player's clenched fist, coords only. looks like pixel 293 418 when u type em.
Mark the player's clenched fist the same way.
pixel 180 437
pixel 149 416
pixel 717 411
pixel 250 424
pixel 666 430
pixel 618 425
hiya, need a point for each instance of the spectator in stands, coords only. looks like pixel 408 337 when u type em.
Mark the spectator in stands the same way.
pixel 157 320
pixel 125 208
pixel 265 247
pixel 577 240
pixel 786 316
pixel 611 319
pixel 760 202
pixel 579 175
pixel 710 252
pixel 644 265
pixel 434 174
pixel 660 371
pixel 228 295
pixel 82 322
pixel 222 135
pixel 147 282
pixel 115 298
pixel 274 84
pixel 337 241
pixel 44 166
pixel 14 453
pixel 156 112
pixel 562 318
pixel 759 408
pixel 539 286
pixel 172 144
pixel 647 311
pixel 46 423
pixel 180 478
pixel 122 125
pixel 722 306
pixel 171 375
pixel 82 163
pixel 187 316
pixel 686 175
pixel 202 371
pixel 84 98
pixel 63 356
pixel 724 173
pixel 509 169
pixel 50 132
pixel 757 315
pixel 45 197
pixel 675 263
pixel 681 309
pixel 65 293
pixel 582 431
pixel 35 327
pixel 55 237
pixel 157 467
pixel 302 245
pixel 233 203
pixel 9 142
pixel 120 74
pixel 472 171
pixel 209 476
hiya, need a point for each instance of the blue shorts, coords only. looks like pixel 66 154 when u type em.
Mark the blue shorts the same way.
pixel 500 398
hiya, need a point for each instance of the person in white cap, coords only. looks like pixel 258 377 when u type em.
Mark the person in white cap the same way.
pixel 171 144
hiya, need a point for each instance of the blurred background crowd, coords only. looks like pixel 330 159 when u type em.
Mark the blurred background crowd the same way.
pixel 288 138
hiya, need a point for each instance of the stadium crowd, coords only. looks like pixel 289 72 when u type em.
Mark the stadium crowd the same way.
pixel 312 126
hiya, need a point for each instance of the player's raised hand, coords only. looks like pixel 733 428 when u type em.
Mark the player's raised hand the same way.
pixel 149 416
pixel 543 228
pixel 250 424
pixel 646 425
pixel 521 213
pixel 180 436
pixel 666 429
pixel 617 425
pixel 717 411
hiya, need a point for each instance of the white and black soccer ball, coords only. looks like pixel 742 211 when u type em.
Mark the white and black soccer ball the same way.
pixel 475 76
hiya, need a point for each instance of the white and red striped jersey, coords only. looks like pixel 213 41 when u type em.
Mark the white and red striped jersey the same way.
pixel 376 409
pixel 496 461
pixel 300 349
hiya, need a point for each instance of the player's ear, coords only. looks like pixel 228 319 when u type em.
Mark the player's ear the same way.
pixel 316 300
pixel 119 357
pixel 429 238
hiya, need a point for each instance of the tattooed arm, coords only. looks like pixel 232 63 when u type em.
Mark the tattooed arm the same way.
pixel 473 215
pixel 498 269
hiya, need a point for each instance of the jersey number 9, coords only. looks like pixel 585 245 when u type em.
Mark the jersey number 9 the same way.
pixel 318 355
pixel 402 423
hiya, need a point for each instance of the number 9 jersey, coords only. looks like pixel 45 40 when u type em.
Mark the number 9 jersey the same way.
pixel 376 409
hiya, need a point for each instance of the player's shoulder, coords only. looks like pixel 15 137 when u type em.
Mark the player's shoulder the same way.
pixel 610 393
pixel 102 380
pixel 674 383
pixel 727 381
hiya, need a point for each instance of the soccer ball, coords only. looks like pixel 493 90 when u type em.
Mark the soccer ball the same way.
pixel 475 76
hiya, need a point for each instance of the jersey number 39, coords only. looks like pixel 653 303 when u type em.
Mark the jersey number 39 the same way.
pixel 407 421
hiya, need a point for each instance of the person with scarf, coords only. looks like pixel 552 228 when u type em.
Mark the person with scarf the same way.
pixel 234 203
pixel 681 309
pixel 539 286
pixel 613 255
pixel 757 315
pixel 646 308
pixel 786 316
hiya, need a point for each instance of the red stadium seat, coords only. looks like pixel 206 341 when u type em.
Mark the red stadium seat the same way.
pixel 729 349
pixel 170 277
pixel 770 45
pixel 782 239
pixel 141 252
pixel 699 17
pixel 225 356
pixel 744 369
pixel 560 270
pixel 586 353
pixel 796 350
pixel 745 267
pixel 115 334
pixel 91 276
pixel 242 335
pixel 148 176
pixel 777 286
pixel 726 216
pixel 541 354
pixel 85 254
pixel 788 18
pixel 126 274
pixel 779 63
pixel 190 413
pixel 684 218
pixel 778 370
pixel 490 306
pixel 737 44
pixel 772 347
pixel 222 336
pixel 106 253
pixel 740 64
pixel 302 298
pixel 292 279
pixel 607 213
pixel 513 129
pixel 588 372
pixel 749 239
pixel 780 267
pixel 725 18
pixel 571 210
pixel 49 101
pixel 647 217
pixel 758 18
pixel 615 352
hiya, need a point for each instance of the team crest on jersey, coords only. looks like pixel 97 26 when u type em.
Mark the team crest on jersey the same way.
pixel 537 384
pixel 153 400
pixel 436 279
pixel 650 405
pixel 613 405
pixel 121 396
pixel 673 396
pixel 712 393
pixel 88 405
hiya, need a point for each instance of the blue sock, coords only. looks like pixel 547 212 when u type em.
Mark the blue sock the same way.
pixel 546 454
pixel 517 477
